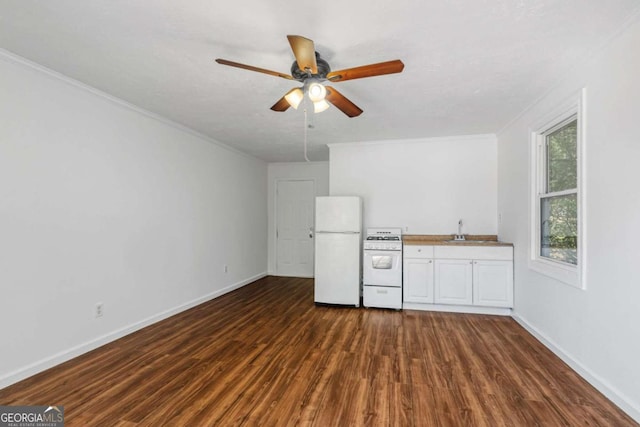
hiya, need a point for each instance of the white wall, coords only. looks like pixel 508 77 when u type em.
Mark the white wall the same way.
pixel 423 185
pixel 595 330
pixel 315 171
pixel 100 202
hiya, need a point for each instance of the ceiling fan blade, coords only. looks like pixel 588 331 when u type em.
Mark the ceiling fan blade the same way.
pixel 281 105
pixel 342 103
pixel 379 69
pixel 305 53
pixel 252 68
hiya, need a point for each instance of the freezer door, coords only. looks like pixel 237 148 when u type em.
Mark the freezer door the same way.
pixel 339 213
pixel 337 268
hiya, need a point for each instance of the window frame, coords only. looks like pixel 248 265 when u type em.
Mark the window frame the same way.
pixel 564 272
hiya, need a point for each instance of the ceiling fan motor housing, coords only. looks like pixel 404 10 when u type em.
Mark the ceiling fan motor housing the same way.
pixel 301 75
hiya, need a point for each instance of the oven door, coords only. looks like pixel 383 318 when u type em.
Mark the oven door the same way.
pixel 382 268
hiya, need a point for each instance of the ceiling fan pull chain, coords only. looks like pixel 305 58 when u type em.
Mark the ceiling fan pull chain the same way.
pixel 305 135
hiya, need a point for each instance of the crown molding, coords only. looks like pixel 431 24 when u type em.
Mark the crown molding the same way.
pixel 12 58
pixel 479 138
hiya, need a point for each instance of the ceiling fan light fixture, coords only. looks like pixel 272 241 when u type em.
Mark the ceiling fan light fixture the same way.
pixel 294 97
pixel 317 92
pixel 320 106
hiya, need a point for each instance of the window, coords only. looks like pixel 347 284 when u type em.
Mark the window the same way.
pixel 558 199
pixel 557 247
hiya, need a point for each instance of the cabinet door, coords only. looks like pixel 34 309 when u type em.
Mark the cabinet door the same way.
pixel 493 283
pixel 418 280
pixel 453 281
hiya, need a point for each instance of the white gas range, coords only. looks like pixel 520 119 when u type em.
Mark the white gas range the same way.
pixel 382 268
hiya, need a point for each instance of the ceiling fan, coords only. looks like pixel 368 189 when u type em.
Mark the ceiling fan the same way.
pixel 311 70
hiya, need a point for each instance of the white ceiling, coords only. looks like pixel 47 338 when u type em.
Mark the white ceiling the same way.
pixel 470 65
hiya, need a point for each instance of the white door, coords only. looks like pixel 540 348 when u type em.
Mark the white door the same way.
pixel 294 227
pixel 454 281
pixel 493 283
pixel 418 280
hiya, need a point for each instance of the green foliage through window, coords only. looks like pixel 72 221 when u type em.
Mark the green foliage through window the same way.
pixel 562 173
pixel 559 228
pixel 559 212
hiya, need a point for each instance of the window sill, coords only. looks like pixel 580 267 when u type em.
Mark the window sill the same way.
pixel 564 273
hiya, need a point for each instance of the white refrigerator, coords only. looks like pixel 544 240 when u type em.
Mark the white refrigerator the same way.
pixel 338 250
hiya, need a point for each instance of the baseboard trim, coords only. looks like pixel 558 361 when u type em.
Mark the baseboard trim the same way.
pixel 468 309
pixel 294 275
pixel 61 357
pixel 600 384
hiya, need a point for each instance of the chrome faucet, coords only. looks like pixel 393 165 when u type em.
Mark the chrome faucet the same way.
pixel 459 236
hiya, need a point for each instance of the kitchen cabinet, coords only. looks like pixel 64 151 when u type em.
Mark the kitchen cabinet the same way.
pixel 443 276
pixel 418 280
pixel 493 283
pixel 478 275
pixel 417 274
pixel 454 281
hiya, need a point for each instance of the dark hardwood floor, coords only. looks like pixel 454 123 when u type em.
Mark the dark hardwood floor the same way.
pixel 266 355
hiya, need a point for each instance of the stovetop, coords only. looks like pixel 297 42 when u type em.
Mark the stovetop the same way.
pixel 383 237
pixel 387 239
pixel 389 234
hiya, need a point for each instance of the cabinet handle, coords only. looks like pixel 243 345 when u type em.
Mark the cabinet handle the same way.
pixel 430 261
pixel 470 262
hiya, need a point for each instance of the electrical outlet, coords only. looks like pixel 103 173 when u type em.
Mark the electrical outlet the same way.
pixel 226 269
pixel 99 310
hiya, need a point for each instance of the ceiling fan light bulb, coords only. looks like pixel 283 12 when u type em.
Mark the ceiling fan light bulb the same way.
pixel 317 92
pixel 294 97
pixel 320 106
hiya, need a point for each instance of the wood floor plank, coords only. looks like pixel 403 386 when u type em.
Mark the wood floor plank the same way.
pixel 265 355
